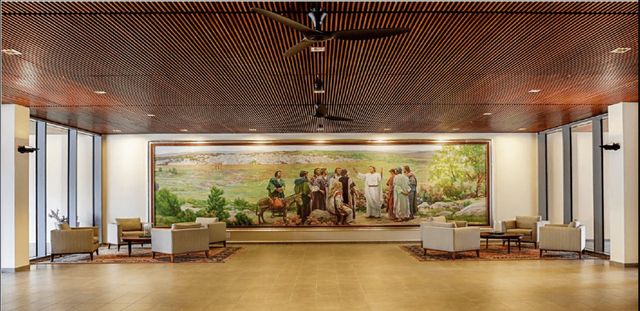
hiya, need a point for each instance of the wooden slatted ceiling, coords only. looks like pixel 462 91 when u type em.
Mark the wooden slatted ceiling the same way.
pixel 217 67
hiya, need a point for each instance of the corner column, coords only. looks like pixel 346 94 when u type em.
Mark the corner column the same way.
pixel 14 188
pixel 622 194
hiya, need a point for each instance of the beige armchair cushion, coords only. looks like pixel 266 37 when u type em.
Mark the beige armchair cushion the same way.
pixel 129 224
pixel 527 222
pixel 63 226
pixel 185 225
pixel 217 229
pixel 132 233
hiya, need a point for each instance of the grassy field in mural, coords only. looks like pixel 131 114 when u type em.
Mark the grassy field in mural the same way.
pixel 228 184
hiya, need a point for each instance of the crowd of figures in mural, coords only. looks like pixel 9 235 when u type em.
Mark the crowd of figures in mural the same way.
pixel 320 185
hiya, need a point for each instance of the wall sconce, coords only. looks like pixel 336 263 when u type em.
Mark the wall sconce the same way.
pixel 613 146
pixel 26 149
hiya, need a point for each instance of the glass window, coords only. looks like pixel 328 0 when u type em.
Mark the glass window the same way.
pixel 555 177
pixel 606 182
pixel 85 180
pixel 582 178
pixel 57 176
pixel 32 190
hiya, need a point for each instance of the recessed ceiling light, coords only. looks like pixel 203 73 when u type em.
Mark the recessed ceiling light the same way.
pixel 621 50
pixel 317 49
pixel 455 129
pixel 487 114
pixel 252 130
pixel 184 130
pixel 11 52
pixel 535 91
pixel 150 115
pixel 522 129
pixel 386 129
pixel 116 131
pixel 100 92
pixel 320 129
pixel 318 86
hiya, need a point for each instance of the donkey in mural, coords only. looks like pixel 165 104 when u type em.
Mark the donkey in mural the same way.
pixel 267 204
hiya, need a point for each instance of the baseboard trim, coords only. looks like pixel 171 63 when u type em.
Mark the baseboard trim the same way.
pixel 18 269
pixel 623 265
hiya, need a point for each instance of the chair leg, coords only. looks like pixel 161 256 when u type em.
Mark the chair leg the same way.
pixel 51 257
pixel 153 255
pixel 453 255
pixel 224 243
pixel 535 244
pixel 118 247
pixel 425 251
pixel 171 256
pixel 91 256
pixel 206 253
pixel 478 252
pixel 541 253
pixel 109 246
pixel 97 251
pixel 579 255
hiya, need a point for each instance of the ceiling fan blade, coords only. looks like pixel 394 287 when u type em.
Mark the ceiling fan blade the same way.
pixel 281 19
pixel 368 34
pixel 298 47
pixel 334 118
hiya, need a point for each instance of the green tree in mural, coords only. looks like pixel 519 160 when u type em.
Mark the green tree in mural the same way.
pixel 167 203
pixel 216 204
pixel 458 172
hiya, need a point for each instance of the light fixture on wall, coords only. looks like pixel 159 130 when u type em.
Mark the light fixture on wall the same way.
pixel 99 92
pixel 612 146
pixel 27 149
pixel 620 50
pixel 535 91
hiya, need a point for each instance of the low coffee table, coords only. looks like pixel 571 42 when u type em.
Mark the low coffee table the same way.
pixel 502 236
pixel 136 240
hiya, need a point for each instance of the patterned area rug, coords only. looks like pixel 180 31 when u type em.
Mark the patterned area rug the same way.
pixel 143 255
pixel 494 252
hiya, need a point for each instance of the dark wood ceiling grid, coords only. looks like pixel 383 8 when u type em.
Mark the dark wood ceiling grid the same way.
pixel 217 67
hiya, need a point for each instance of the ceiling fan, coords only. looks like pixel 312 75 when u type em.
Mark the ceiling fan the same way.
pixel 321 112
pixel 316 35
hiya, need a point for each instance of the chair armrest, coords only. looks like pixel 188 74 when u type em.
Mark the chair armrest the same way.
pixel 217 231
pixel 507 224
pixel 161 240
pixel 114 234
pixel 467 238
pixel 189 240
pixel 71 241
pixel 536 231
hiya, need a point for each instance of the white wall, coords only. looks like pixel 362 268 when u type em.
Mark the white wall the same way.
pixel 126 168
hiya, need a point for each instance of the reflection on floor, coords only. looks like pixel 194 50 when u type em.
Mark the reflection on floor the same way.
pixel 326 277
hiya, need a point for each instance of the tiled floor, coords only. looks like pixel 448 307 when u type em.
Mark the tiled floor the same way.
pixel 325 277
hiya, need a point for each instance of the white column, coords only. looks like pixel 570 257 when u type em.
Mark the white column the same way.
pixel 622 196
pixel 14 188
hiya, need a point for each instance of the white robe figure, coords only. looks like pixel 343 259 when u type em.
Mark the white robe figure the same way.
pixel 372 193
pixel 401 189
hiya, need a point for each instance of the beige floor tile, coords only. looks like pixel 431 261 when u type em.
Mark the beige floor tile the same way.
pixel 306 277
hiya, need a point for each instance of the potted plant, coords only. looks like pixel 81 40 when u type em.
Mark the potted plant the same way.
pixel 60 219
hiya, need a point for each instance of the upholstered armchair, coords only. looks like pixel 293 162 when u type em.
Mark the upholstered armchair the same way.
pixel 563 238
pixel 74 241
pixel 446 237
pixel 217 229
pixel 527 226
pixel 124 227
pixel 180 239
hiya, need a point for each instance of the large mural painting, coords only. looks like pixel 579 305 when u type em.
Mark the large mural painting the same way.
pixel 338 184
